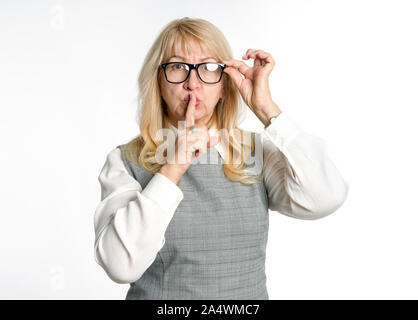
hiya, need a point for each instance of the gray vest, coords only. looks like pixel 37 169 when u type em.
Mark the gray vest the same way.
pixel 216 241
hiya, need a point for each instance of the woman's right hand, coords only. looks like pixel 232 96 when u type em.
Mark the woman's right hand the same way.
pixel 189 146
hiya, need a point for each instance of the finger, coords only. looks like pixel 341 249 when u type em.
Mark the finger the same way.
pixel 191 155
pixel 201 148
pixel 197 149
pixel 235 76
pixel 191 107
pixel 237 64
pixel 255 54
pixel 262 59
pixel 266 57
pixel 260 54
pixel 213 141
pixel 249 51
pixel 266 60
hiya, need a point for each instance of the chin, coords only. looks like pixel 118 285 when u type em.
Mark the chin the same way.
pixel 200 115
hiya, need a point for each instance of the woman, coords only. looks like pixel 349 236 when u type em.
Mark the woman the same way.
pixel 184 229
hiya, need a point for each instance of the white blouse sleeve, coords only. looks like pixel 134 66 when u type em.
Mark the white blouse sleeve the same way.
pixel 301 181
pixel 130 222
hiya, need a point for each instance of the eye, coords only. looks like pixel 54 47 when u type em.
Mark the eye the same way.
pixel 178 66
pixel 211 67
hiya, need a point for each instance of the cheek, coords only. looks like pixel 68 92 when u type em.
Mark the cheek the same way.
pixel 169 95
pixel 215 95
pixel 173 99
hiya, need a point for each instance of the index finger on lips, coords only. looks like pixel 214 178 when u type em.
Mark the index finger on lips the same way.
pixel 191 107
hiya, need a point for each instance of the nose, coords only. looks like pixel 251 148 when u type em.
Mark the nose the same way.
pixel 193 81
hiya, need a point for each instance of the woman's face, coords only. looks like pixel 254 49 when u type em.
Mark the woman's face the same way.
pixel 176 95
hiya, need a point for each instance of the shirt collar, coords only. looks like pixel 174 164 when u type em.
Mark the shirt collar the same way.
pixel 213 131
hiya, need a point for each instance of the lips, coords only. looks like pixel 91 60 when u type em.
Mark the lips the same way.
pixel 187 99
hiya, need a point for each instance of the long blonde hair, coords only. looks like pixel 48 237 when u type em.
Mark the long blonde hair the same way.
pixel 152 116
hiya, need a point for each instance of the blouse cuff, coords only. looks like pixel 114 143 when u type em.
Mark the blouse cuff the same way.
pixel 282 131
pixel 164 192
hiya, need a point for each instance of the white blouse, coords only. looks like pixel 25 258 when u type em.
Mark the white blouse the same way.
pixel 130 221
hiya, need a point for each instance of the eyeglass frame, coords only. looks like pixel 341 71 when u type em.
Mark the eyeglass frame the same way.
pixel 191 67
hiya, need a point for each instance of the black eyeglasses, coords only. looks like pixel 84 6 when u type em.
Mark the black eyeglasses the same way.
pixel 208 72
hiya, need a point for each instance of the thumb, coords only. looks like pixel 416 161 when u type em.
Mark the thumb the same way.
pixel 213 141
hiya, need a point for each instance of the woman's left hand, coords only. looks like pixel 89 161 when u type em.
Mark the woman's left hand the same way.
pixel 254 87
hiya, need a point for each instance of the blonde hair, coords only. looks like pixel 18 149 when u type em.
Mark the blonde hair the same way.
pixel 151 107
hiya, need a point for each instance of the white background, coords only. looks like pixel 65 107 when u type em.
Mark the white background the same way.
pixel 346 71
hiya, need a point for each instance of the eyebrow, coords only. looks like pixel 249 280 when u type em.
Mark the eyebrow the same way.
pixel 184 59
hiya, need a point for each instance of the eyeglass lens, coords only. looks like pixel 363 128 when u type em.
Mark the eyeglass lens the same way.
pixel 208 72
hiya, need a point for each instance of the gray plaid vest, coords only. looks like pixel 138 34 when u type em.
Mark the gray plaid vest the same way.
pixel 216 241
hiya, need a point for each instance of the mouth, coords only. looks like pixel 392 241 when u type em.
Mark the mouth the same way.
pixel 187 99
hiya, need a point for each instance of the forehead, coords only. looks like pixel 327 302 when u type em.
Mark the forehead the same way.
pixel 191 50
